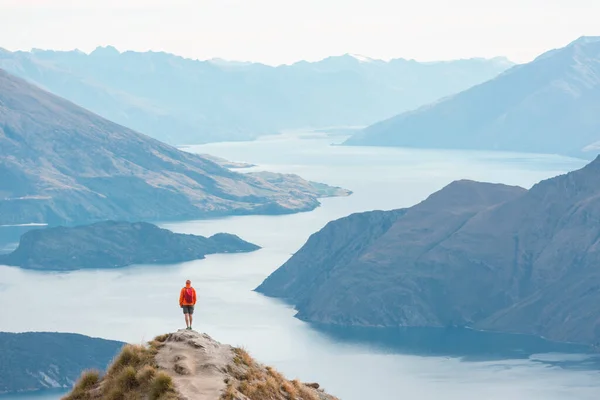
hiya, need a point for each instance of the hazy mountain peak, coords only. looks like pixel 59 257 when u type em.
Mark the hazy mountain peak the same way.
pixel 586 40
pixel 228 63
pixel 532 107
pixel 503 60
pixel 361 58
pixel 105 51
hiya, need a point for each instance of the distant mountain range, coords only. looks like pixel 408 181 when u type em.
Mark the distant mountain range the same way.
pixel 183 101
pixel 550 105
pixel 60 164
pixel 112 244
pixel 479 255
pixel 45 360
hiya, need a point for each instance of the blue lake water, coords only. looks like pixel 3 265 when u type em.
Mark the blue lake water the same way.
pixel 134 304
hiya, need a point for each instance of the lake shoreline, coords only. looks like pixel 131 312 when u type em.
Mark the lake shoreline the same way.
pixel 230 311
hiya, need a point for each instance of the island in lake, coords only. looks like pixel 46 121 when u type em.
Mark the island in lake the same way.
pixel 112 244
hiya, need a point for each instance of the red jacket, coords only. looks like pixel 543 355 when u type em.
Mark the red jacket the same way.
pixel 182 301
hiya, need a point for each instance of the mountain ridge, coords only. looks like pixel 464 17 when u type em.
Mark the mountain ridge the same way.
pixel 528 108
pixel 476 255
pixel 62 164
pixel 184 101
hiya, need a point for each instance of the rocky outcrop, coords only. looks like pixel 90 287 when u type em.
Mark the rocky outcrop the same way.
pixel 477 255
pixel 113 244
pixel 45 360
pixel 60 164
pixel 549 105
pixel 189 365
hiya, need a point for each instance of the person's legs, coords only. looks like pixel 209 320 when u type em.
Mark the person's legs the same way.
pixel 190 320
pixel 186 314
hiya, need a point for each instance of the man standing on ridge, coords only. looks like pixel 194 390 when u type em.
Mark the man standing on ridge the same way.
pixel 187 301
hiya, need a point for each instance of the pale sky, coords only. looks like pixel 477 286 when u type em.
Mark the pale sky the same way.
pixel 284 31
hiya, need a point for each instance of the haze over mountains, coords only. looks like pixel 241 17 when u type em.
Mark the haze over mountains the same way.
pixel 551 105
pixel 486 256
pixel 61 164
pixel 183 101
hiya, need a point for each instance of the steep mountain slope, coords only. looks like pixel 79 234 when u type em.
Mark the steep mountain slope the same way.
pixel 183 101
pixel 111 244
pixel 488 257
pixel 551 105
pixel 61 164
pixel 190 365
pixel 42 360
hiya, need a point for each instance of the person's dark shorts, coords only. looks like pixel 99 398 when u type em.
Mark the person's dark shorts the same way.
pixel 188 309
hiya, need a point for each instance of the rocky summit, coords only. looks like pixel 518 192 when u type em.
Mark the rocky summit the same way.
pixel 479 255
pixel 187 365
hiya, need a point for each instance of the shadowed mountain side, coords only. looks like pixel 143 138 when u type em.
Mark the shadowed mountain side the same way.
pixel 491 257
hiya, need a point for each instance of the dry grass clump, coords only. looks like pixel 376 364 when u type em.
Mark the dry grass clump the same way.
pixel 85 383
pixel 253 381
pixel 133 375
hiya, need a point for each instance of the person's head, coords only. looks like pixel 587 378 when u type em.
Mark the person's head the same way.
pixel 188 283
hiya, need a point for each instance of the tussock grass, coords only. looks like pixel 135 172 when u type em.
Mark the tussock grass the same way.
pixel 251 380
pixel 162 387
pixel 86 382
pixel 146 374
pixel 133 375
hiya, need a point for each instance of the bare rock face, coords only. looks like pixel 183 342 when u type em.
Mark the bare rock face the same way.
pixel 60 164
pixel 491 257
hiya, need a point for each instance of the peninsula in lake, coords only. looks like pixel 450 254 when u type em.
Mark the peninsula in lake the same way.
pixel 113 244
pixel 478 255
pixel 63 165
